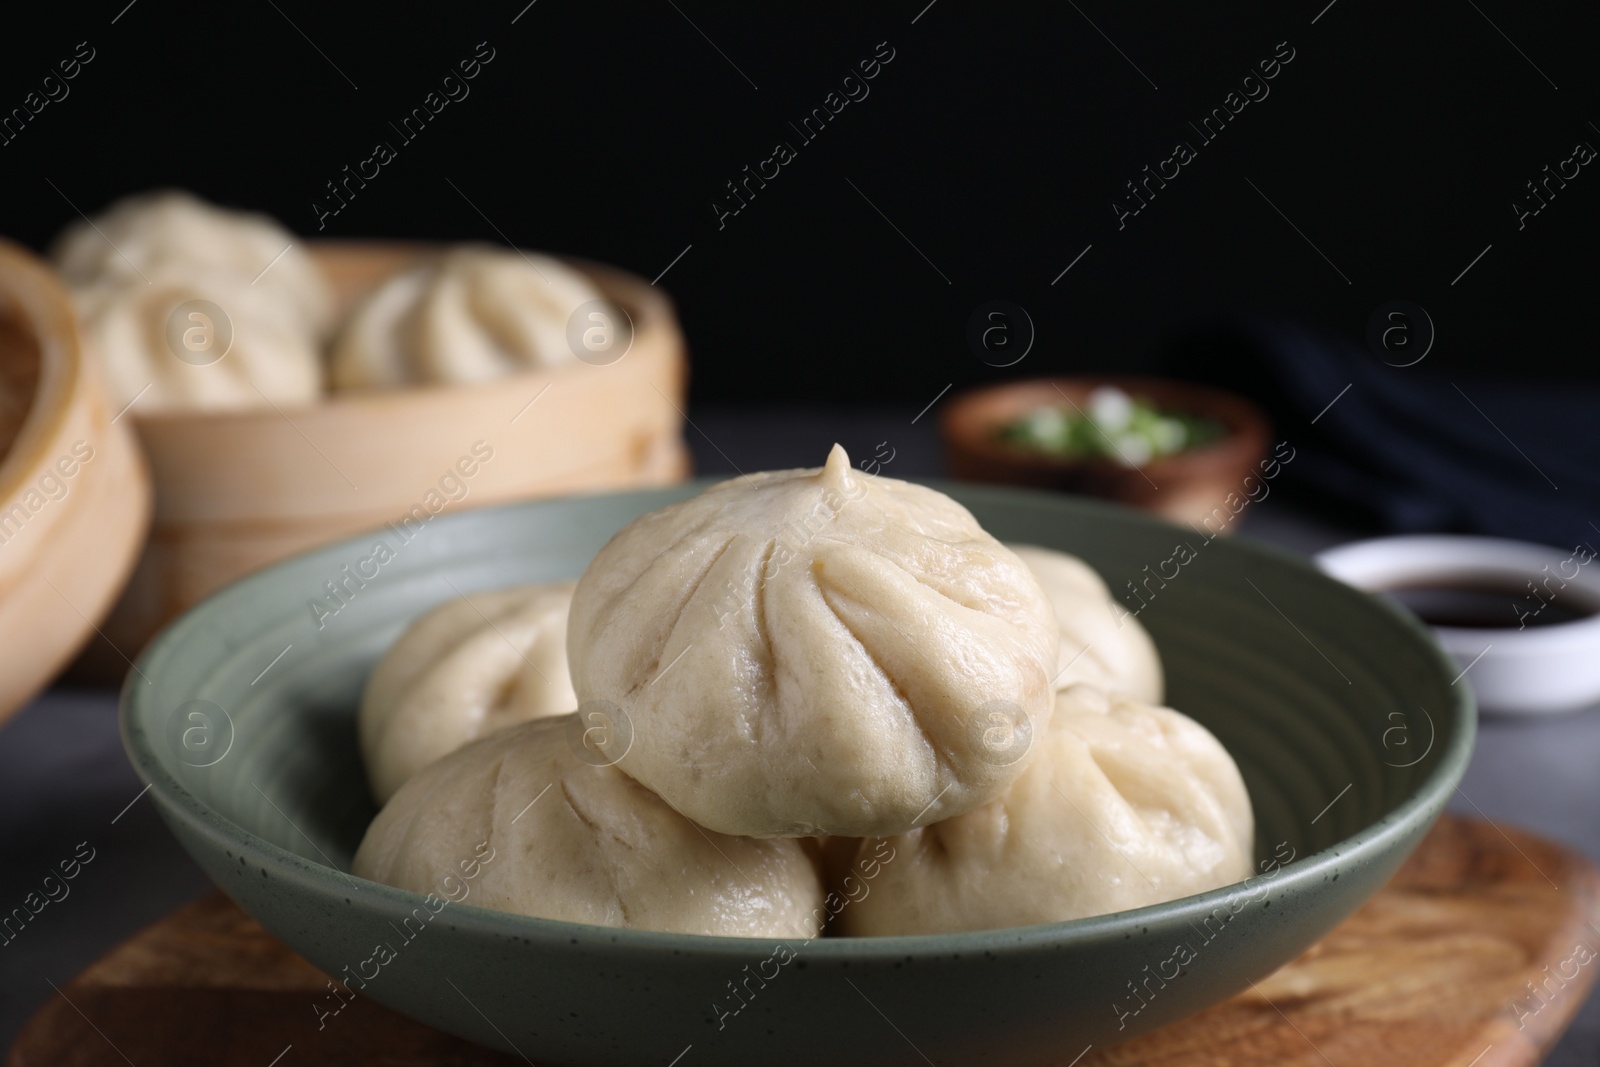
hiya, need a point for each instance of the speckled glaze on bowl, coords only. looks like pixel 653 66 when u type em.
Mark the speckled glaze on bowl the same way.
pixel 1338 709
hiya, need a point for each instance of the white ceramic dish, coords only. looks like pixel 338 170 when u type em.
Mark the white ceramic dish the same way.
pixel 1515 670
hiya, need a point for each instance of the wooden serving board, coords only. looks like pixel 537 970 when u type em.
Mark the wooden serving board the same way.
pixel 1431 972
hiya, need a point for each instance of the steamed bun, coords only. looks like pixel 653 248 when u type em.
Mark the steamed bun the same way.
pixel 1122 805
pixel 1101 643
pixel 583 843
pixel 129 271
pixel 472 314
pixel 816 652
pixel 140 236
pixel 269 361
pixel 465 669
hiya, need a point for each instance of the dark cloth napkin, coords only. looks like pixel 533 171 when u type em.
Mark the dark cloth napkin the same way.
pixel 1414 449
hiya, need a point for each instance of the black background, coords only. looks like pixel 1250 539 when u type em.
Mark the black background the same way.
pixel 995 141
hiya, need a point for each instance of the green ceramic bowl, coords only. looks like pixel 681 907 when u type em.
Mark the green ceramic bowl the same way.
pixel 1339 711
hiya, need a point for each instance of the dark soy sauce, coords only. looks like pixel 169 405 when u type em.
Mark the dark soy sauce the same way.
pixel 1489 607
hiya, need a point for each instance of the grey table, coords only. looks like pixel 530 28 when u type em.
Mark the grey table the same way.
pixel 64 780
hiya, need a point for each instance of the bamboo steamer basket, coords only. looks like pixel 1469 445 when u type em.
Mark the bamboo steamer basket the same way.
pixel 235 490
pixel 74 491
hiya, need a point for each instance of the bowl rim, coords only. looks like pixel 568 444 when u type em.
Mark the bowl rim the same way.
pixel 1413 814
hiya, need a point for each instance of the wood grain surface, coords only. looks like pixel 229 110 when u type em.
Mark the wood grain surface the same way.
pixel 1462 959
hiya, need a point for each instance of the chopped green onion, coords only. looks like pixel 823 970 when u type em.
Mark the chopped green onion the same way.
pixel 1110 425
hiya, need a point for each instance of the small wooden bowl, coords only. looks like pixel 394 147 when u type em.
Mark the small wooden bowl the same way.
pixel 74 492
pixel 238 490
pixel 1189 486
